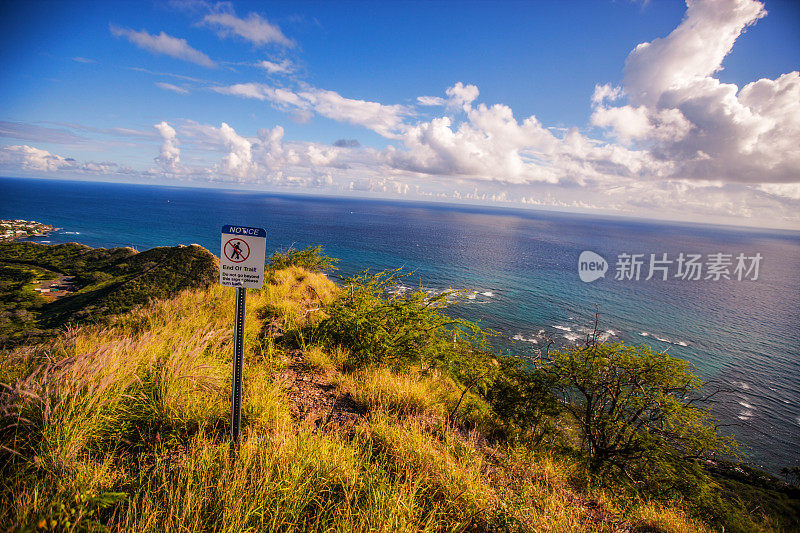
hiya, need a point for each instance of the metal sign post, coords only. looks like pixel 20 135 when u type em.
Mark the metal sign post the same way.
pixel 241 265
pixel 238 355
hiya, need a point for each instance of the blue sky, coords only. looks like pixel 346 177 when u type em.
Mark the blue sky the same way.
pixel 654 109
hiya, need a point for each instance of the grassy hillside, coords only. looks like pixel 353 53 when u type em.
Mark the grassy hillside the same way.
pixel 111 281
pixel 123 427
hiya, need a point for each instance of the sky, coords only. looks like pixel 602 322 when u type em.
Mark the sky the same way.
pixel 660 109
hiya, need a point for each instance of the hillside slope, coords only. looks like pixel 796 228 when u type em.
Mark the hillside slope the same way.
pixel 123 426
pixel 108 282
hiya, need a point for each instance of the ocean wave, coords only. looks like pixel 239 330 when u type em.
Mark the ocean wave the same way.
pixel 745 404
pixel 563 328
pixel 519 337
pixel 741 384
pixel 488 293
pixel 662 339
pixel 72 232
pixel 399 289
pixel 571 337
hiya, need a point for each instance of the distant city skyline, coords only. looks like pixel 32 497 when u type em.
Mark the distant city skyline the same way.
pixel 660 110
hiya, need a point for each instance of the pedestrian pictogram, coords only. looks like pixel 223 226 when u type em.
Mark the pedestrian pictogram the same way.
pixel 241 258
pixel 237 250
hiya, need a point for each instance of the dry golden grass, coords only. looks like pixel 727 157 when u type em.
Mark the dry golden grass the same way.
pixel 125 427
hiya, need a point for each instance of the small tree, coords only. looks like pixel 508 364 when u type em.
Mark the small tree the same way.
pixel 521 396
pixel 636 409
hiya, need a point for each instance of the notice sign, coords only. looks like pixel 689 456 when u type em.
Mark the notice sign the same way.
pixel 241 261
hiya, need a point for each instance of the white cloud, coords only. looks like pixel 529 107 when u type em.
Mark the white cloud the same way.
pixel 37 160
pixel 382 119
pixel 264 157
pixel 386 120
pixel 163 44
pixel 169 157
pixel 703 128
pixel 239 160
pixel 171 87
pixel 606 92
pixel 692 52
pixel 459 96
pixel 283 67
pixel 30 158
pixel 254 28
pixel 431 100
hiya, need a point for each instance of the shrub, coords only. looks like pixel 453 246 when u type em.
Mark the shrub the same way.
pixel 377 325
pixel 311 258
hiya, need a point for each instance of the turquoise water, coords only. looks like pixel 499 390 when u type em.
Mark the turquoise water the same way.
pixel 520 271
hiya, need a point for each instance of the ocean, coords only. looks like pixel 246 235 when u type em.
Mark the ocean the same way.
pixel 519 271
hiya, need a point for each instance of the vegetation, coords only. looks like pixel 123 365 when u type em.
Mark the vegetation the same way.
pixel 123 425
pixel 311 259
pixel 111 281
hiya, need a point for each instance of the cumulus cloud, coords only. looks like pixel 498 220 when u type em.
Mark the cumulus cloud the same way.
pixel 163 44
pixel 169 157
pixel 703 128
pixel 263 157
pixel 239 160
pixel 171 87
pixel 459 96
pixel 30 158
pixel 254 28
pixel 490 144
pixel 37 160
pixel 606 92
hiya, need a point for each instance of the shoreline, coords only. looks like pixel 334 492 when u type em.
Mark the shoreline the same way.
pixel 15 229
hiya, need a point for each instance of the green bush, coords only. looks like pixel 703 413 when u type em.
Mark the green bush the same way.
pixel 377 325
pixel 311 258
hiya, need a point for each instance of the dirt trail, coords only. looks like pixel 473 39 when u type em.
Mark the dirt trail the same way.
pixel 314 399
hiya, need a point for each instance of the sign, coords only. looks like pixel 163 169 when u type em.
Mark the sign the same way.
pixel 241 265
pixel 241 261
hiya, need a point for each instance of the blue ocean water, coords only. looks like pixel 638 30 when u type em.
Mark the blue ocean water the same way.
pixel 520 271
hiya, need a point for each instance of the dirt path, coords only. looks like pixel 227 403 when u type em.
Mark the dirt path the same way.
pixel 315 400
